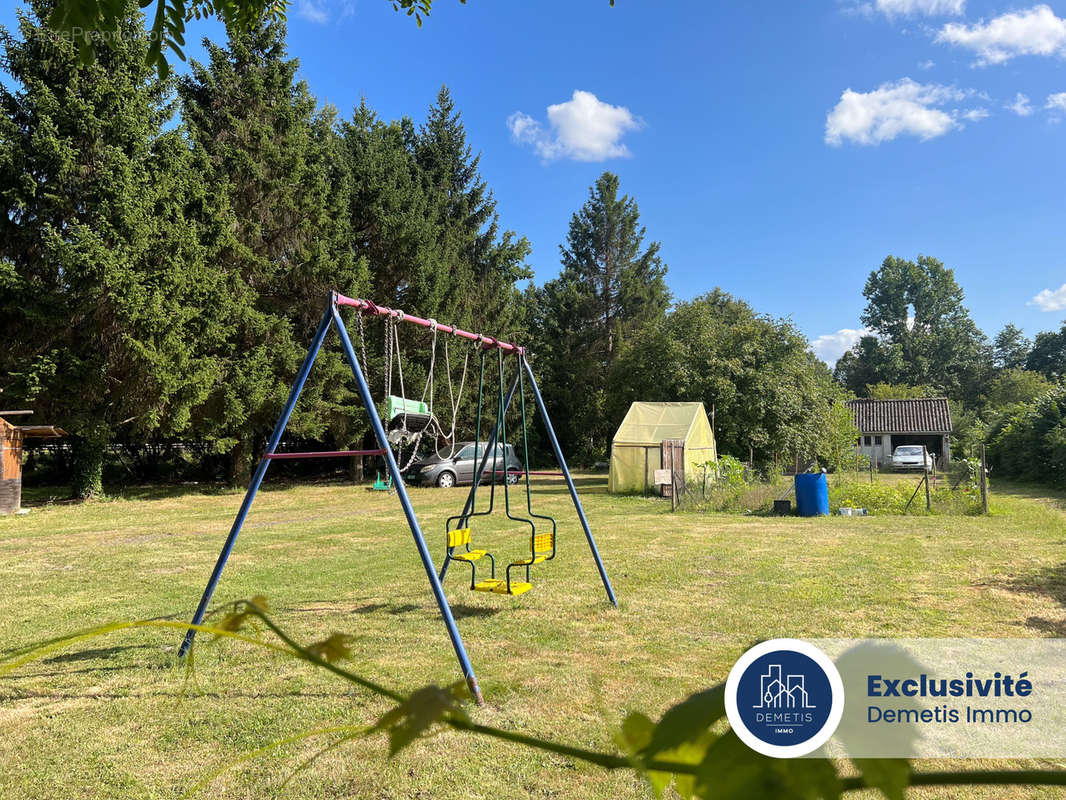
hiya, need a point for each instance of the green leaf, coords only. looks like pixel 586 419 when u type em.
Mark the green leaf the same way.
pixel 688 720
pixel 890 776
pixel 635 736
pixel 334 648
pixel 412 718
pixel 731 769
pixel 636 733
pixel 242 610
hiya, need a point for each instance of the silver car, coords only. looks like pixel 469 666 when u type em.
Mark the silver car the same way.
pixel 459 469
pixel 909 456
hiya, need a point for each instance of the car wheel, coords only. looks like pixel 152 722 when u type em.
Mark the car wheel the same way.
pixel 512 478
pixel 446 480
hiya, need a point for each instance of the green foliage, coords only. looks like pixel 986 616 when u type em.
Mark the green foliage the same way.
pixel 1031 443
pixel 1010 348
pixel 896 498
pixel 416 715
pixel 731 471
pixel 1012 386
pixel 93 25
pixel 1048 354
pixel 898 391
pixel 103 272
pixel 922 334
pixel 767 390
pixel 278 216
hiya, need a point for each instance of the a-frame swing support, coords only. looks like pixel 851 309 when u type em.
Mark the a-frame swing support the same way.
pixel 332 318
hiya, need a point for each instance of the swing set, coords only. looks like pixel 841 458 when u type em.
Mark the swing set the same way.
pixel 407 423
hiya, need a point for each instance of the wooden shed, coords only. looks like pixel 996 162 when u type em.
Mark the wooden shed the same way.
pixel 884 425
pixel 11 439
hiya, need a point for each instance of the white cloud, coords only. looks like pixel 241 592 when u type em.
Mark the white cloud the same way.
pixel 1021 105
pixel 1049 300
pixel 927 64
pixel 1035 31
pixel 584 128
pixel 1056 102
pixel 895 109
pixel 312 12
pixel 928 8
pixel 831 346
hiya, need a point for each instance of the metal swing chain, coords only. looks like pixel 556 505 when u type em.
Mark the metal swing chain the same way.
pixel 453 401
pixel 362 344
pixel 389 324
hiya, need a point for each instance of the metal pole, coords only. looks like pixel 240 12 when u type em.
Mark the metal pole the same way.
pixel 925 466
pixel 469 505
pixel 408 510
pixel 984 481
pixel 569 480
pixel 488 449
pixel 257 479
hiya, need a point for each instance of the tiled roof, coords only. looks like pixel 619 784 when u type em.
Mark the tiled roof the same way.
pixel 925 415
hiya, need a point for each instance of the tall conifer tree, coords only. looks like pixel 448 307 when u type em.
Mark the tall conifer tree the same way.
pixel 276 162
pixel 97 265
pixel 611 285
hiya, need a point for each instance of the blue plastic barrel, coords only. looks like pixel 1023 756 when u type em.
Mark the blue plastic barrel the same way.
pixel 812 494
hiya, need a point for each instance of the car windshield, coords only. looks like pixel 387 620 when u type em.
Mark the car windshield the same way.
pixel 908 451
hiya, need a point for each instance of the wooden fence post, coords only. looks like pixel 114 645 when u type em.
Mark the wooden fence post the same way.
pixel 984 480
pixel 925 467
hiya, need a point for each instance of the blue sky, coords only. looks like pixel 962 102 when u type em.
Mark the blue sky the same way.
pixel 778 150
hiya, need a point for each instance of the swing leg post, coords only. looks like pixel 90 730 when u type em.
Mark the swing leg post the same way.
pixel 257 480
pixel 408 509
pixel 569 480
pixel 488 450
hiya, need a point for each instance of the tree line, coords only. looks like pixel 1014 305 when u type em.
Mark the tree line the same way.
pixel 168 245
pixel 1005 392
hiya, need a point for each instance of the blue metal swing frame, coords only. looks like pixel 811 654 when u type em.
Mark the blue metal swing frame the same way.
pixel 332 318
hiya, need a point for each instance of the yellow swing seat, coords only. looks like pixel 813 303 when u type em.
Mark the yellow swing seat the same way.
pixel 473 555
pixel 525 562
pixel 499 586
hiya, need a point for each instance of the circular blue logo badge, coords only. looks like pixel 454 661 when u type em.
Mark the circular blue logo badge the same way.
pixel 784 698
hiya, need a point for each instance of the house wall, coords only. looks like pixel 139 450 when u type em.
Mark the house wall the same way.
pixel 880 452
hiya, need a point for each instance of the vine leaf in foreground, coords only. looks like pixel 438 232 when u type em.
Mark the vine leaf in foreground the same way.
pixel 424 708
pixel 890 775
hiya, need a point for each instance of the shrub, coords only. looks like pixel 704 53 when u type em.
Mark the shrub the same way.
pixel 1032 443
pixel 892 498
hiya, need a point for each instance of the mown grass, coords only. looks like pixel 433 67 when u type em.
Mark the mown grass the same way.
pixel 114 717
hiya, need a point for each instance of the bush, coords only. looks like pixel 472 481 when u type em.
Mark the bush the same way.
pixel 1032 443
pixel 892 498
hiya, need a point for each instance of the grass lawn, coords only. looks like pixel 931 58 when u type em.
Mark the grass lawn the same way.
pixel 112 717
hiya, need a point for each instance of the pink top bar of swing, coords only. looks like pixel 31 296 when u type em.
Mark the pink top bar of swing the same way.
pixel 487 341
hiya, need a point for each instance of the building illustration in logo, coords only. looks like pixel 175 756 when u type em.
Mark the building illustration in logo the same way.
pixel 777 693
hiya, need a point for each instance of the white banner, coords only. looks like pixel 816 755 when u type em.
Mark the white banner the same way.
pixel 949 698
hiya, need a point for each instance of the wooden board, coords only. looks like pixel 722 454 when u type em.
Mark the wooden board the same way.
pixel 10 453
pixel 674 462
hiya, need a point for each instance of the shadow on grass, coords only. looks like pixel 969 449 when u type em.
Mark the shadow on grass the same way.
pixel 42 496
pixel 1048 582
pixel 459 610
pixel 96 653
pixel 1054 498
